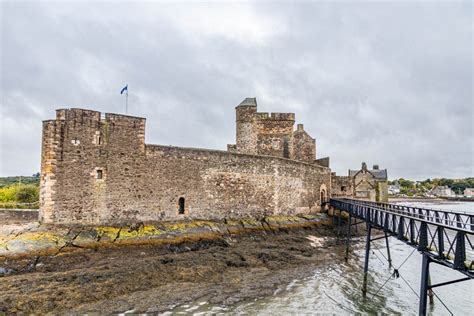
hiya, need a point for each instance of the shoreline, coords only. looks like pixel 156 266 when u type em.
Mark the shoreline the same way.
pixel 23 239
pixel 427 200
pixel 155 278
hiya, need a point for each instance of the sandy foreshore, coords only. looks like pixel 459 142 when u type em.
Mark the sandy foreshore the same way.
pixel 155 278
pixel 154 267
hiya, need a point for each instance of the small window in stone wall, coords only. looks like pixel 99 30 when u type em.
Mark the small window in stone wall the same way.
pixel 181 205
pixel 98 174
pixel 286 150
pixel 97 139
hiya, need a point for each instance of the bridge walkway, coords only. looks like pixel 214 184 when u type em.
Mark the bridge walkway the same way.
pixel 442 237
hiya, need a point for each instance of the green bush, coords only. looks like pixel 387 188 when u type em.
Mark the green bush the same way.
pixel 17 194
pixel 27 194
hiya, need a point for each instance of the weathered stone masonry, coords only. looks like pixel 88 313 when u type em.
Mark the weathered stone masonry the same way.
pixel 97 170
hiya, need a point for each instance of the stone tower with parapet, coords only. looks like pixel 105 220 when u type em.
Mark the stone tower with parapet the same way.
pixel 78 146
pixel 271 134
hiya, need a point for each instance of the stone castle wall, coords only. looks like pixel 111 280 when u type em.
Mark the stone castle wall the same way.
pixel 98 170
pixel 341 186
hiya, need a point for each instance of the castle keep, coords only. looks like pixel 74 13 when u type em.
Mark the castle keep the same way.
pixel 97 170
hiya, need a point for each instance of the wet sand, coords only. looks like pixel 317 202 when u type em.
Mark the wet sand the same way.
pixel 155 278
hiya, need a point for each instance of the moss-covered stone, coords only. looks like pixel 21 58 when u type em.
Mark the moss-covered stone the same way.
pixel 54 239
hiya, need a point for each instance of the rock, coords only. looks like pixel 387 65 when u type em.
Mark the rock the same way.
pixel 5 271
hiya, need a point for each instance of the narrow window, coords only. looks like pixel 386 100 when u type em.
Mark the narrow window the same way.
pixel 286 151
pixel 97 139
pixel 98 174
pixel 181 205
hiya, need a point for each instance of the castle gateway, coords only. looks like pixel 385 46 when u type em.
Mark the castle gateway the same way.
pixel 99 170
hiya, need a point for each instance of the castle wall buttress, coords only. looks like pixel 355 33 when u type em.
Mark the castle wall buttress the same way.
pixel 51 151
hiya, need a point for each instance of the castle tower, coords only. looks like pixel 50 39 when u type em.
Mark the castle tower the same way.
pixel 76 150
pixel 246 132
pixel 305 145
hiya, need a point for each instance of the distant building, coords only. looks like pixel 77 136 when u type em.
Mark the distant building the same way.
pixel 394 189
pixel 443 190
pixel 370 184
pixel 469 192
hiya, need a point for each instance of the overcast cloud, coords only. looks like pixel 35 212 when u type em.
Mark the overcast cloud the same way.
pixel 386 83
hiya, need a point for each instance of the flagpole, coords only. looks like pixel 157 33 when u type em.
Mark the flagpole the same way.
pixel 126 102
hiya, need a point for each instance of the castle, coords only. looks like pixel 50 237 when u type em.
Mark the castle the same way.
pixel 97 170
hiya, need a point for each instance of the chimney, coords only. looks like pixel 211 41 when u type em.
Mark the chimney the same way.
pixel 376 167
pixel 364 166
pixel 299 127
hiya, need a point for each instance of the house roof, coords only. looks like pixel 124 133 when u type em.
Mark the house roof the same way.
pixel 380 174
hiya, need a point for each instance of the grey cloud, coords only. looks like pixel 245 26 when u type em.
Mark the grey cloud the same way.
pixel 385 83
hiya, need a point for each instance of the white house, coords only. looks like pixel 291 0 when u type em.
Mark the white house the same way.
pixel 443 190
pixel 394 189
pixel 469 192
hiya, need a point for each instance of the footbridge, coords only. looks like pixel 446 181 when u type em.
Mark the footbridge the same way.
pixel 442 237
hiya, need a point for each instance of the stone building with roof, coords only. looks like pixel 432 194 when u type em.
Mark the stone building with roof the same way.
pixel 369 184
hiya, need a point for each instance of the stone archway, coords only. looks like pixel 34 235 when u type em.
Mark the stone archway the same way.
pixel 323 194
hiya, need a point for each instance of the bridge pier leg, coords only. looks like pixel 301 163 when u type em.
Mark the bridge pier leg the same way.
pixel 388 250
pixel 366 263
pixel 425 274
pixel 348 237
pixel 430 290
pixel 339 225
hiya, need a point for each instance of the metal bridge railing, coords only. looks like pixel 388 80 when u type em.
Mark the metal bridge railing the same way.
pixel 442 237
pixel 449 218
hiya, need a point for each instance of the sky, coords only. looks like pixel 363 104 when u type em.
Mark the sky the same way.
pixel 382 82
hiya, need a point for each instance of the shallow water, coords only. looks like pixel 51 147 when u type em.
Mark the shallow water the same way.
pixel 336 288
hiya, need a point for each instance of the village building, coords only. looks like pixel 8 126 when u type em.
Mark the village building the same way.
pixel 370 184
pixel 443 191
pixel 469 192
pixel 394 189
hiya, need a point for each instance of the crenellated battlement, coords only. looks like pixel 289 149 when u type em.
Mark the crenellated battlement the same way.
pixel 78 115
pixel 85 115
pixel 275 116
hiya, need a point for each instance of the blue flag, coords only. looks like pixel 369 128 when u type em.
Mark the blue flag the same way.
pixel 124 89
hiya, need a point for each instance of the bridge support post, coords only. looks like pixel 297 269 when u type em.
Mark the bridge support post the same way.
pixel 366 263
pixel 388 250
pixel 425 274
pixel 339 226
pixel 348 237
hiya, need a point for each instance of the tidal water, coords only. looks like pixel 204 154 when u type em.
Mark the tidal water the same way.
pixel 336 287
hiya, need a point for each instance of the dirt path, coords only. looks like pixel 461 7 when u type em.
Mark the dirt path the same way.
pixel 157 278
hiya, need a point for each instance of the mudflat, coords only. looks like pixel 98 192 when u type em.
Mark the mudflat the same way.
pixel 156 278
